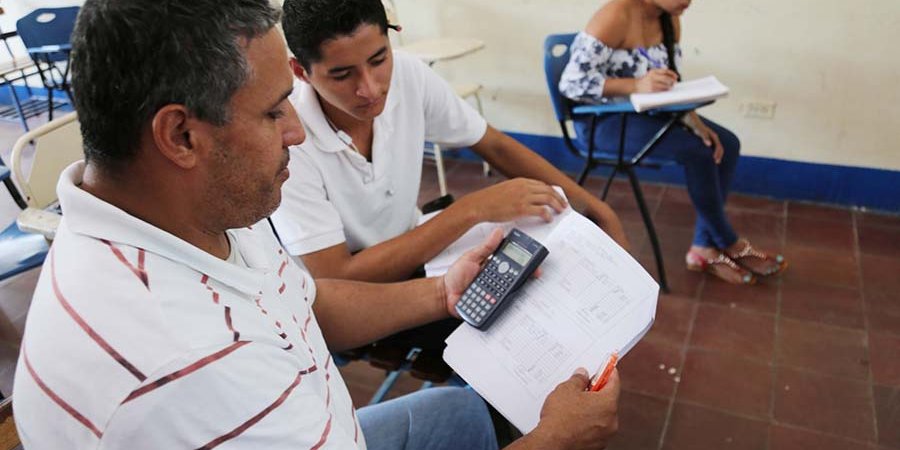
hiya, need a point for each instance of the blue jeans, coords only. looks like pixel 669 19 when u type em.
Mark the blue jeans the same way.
pixel 441 418
pixel 707 183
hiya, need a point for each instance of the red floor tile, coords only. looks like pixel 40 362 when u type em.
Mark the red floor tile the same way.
pixel 626 206
pixel 823 304
pixel 675 214
pixel 640 368
pixel 882 241
pixel 887 409
pixel 880 275
pixel 741 202
pixel 697 428
pixel 673 319
pixel 738 385
pixel 819 212
pixel 884 353
pixel 682 282
pixel 761 297
pixel 822 267
pixel 878 220
pixel 789 438
pixel 734 332
pixel 822 235
pixel 641 420
pixel 621 187
pixel 764 231
pixel 822 348
pixel 824 403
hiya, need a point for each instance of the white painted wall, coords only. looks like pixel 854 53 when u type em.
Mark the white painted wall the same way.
pixel 831 66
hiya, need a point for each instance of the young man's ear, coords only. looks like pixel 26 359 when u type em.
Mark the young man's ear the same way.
pixel 299 70
pixel 176 135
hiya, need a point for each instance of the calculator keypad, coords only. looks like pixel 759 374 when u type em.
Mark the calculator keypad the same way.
pixel 492 284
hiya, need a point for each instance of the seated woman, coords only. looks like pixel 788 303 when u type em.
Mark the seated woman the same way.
pixel 631 46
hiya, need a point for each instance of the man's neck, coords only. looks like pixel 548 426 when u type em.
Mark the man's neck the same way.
pixel 360 131
pixel 159 205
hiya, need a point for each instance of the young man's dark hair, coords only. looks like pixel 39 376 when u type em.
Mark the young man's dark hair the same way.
pixel 309 23
pixel 131 58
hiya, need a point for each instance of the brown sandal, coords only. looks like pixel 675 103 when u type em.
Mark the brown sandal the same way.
pixel 750 252
pixel 699 263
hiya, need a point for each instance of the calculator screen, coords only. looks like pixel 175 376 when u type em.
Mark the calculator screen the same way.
pixel 516 253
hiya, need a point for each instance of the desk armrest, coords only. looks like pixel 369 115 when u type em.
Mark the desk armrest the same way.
pixel 627 107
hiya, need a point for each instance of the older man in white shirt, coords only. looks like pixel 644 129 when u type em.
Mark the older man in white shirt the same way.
pixel 166 315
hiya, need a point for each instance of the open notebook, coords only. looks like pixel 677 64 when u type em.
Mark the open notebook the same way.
pixel 700 90
pixel 592 300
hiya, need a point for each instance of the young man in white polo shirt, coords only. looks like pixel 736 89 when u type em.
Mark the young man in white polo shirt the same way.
pixel 352 211
pixel 168 317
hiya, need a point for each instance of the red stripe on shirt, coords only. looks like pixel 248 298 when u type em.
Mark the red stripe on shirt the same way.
pixel 59 401
pixel 253 420
pixel 237 335
pixel 138 271
pixel 282 288
pixel 181 373
pixel 281 269
pixel 325 434
pixel 87 328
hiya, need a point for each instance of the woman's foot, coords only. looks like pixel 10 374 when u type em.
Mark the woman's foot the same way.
pixel 759 263
pixel 713 261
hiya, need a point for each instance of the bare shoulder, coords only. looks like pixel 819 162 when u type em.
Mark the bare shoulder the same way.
pixel 610 23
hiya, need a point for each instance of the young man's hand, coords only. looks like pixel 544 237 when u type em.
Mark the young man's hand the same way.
pixel 513 199
pixel 466 268
pixel 574 418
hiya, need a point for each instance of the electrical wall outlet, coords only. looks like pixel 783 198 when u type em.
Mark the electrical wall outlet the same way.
pixel 758 109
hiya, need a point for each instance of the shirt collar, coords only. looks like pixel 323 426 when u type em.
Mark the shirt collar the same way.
pixel 90 216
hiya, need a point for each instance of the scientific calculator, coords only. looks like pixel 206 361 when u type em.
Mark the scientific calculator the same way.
pixel 504 272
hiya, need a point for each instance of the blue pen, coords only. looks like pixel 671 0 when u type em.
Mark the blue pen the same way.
pixel 655 64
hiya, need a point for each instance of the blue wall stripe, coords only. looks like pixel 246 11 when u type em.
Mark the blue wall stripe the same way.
pixel 875 189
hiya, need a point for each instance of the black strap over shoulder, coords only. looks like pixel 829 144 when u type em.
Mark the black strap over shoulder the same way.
pixel 668 31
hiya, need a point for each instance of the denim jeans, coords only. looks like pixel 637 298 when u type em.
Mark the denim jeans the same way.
pixel 707 183
pixel 442 418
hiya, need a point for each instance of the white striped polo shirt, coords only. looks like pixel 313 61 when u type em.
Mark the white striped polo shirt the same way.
pixel 136 339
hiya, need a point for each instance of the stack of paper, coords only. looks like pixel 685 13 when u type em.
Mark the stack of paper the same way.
pixel 593 299
pixel 693 91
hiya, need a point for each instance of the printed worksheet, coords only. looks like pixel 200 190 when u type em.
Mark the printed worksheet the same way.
pixel 592 300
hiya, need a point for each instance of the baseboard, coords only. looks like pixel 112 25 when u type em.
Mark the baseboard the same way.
pixel 873 189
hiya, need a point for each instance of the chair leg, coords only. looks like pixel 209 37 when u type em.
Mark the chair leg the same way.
pixel 14 193
pixel 18 104
pixel 651 230
pixel 609 182
pixel 584 173
pixel 439 162
pixel 49 104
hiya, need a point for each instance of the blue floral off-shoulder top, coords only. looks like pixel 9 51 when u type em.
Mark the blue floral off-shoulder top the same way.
pixel 592 62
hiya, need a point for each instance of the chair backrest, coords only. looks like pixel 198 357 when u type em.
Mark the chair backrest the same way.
pixel 48 26
pixel 556 56
pixel 57 144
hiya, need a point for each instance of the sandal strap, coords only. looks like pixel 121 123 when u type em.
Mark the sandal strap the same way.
pixel 722 259
pixel 749 251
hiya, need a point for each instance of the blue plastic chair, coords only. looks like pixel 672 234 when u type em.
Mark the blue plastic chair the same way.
pixel 556 56
pixel 19 251
pixel 47 33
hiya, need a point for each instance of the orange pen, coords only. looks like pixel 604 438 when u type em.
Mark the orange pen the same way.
pixel 601 377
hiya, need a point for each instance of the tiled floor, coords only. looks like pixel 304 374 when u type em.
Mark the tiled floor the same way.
pixel 808 361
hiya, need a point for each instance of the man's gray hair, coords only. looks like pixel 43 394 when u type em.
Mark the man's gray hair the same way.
pixel 132 57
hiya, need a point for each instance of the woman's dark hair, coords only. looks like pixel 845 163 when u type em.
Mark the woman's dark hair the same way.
pixel 310 23
pixel 132 57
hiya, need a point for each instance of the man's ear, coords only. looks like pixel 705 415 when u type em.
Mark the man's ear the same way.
pixel 299 70
pixel 177 135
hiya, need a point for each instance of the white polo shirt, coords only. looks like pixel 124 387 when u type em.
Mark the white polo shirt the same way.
pixel 138 340
pixel 334 195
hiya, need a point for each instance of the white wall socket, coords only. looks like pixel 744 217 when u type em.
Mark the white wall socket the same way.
pixel 758 109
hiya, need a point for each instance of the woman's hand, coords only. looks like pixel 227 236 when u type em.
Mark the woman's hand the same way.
pixel 710 139
pixel 656 80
